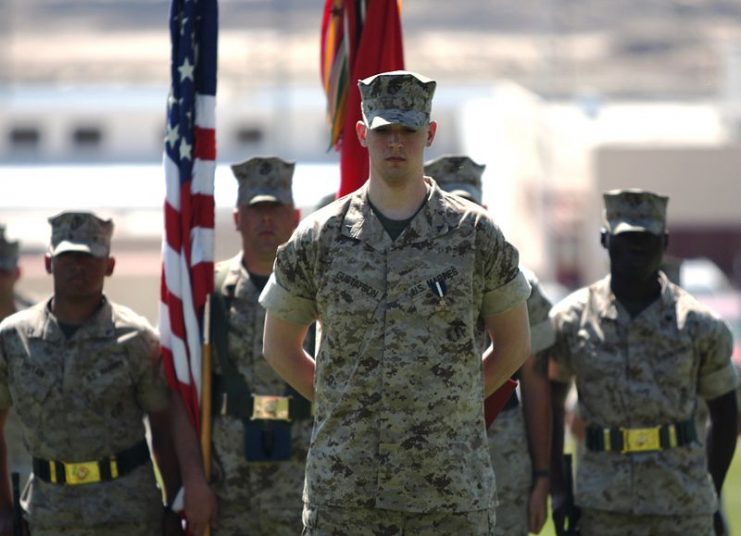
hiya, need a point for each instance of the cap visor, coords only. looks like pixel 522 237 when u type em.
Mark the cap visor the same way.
pixel 626 227
pixel 265 198
pixel 411 119
pixel 66 246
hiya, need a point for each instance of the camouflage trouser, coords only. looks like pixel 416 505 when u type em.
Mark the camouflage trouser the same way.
pixel 236 520
pixel 513 470
pixel 133 529
pixel 602 523
pixel 334 521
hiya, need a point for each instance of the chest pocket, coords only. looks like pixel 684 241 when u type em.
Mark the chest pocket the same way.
pixel 443 311
pixel 350 298
pixel 245 333
pixel 31 387
pixel 108 381
pixel 674 366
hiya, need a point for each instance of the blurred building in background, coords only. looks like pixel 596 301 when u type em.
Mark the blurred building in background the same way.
pixel 561 100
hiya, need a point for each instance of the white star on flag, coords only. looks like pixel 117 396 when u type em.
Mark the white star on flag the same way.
pixel 186 70
pixel 185 149
pixel 172 136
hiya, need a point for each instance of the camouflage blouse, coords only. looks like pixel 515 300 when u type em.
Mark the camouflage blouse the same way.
pixel 399 383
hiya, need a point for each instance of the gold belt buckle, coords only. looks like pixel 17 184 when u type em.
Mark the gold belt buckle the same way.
pixel 271 408
pixel 81 473
pixel 641 439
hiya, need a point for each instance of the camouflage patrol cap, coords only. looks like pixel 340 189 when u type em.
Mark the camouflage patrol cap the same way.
pixel 80 231
pixel 396 97
pixel 635 210
pixel 264 179
pixel 458 175
pixel 8 252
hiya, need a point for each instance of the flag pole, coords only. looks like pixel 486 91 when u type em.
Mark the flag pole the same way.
pixel 206 395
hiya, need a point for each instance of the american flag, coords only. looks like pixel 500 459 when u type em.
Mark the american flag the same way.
pixel 189 162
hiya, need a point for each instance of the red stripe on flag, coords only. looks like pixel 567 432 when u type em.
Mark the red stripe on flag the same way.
pixel 173 237
pixel 177 324
pixel 202 207
pixel 201 272
pixel 205 143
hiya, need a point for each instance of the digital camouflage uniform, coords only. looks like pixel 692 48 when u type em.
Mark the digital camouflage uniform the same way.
pixel 81 397
pixel 259 490
pixel 18 458
pixel 399 421
pixel 255 498
pixel 640 372
pixel 508 442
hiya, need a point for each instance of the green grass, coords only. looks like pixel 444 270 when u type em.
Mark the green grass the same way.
pixel 731 492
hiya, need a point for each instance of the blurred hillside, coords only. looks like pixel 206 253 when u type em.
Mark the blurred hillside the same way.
pixel 647 49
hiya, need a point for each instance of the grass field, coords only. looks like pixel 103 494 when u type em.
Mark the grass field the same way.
pixel 732 499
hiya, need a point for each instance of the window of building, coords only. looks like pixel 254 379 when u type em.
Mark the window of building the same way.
pixel 24 137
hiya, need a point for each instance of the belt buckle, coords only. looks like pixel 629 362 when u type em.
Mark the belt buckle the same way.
pixel 81 473
pixel 270 408
pixel 641 439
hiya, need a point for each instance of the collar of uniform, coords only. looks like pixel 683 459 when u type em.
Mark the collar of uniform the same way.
pixel 99 325
pixel 603 299
pixel 362 224
pixel 236 269
pixel 239 276
pixel 607 303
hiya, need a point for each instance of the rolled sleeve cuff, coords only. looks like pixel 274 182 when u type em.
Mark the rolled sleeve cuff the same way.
pixel 505 297
pixel 541 336
pixel 718 383
pixel 286 306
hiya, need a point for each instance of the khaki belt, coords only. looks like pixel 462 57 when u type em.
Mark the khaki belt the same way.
pixel 649 439
pixel 76 473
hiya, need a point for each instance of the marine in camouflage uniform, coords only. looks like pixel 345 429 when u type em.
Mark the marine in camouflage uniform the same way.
pixel 519 437
pixel 642 352
pixel 82 372
pixel 402 288
pixel 11 302
pixel 259 462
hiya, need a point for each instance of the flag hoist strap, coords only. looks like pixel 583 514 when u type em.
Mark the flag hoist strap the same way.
pixel 630 440
pixel 109 468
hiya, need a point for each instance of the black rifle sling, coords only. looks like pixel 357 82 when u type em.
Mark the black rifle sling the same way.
pixel 231 394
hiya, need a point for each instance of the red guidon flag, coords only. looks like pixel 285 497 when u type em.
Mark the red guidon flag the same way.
pixel 189 162
pixel 360 38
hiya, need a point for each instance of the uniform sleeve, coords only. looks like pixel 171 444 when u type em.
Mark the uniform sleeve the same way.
pixel 290 292
pixel 716 376
pixel 504 284
pixel 542 334
pixel 152 391
pixel 561 365
pixel 5 399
